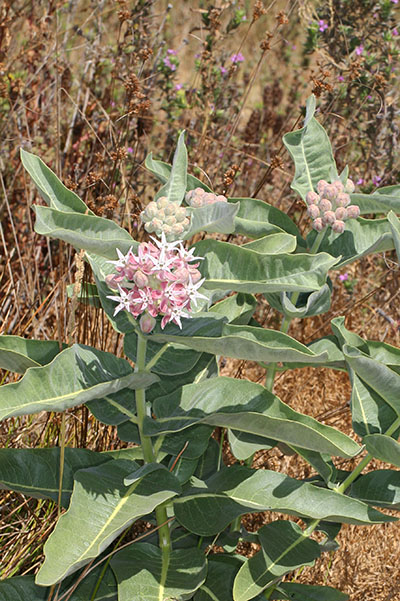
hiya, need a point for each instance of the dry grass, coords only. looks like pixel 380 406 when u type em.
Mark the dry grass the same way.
pixel 68 92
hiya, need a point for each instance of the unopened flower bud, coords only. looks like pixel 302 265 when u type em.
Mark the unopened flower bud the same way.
pixel 180 214
pixel 338 185
pixel 350 187
pixel 318 225
pixel 313 211
pixel 162 202
pixel 353 211
pixel 169 210
pixel 182 275
pixel 112 281
pixel 312 198
pixel 147 323
pixel 325 205
pixel 338 226
pixel 342 199
pixel 341 213
pixel 141 280
pixel 329 217
pixel 330 192
pixel 221 198
pixel 150 211
pixel 321 186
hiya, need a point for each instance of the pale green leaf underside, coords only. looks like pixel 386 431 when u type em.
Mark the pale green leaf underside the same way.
pixel 76 375
pixel 210 506
pixel 101 508
pixel 247 407
pixel 17 354
pixel 89 232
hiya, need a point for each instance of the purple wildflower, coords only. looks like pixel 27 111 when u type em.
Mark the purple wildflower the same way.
pixel 129 149
pixel 376 179
pixel 171 51
pixel 322 25
pixel 360 181
pixel 395 31
pixel 179 86
pixel 237 58
pixel 223 70
pixel 340 78
pixel 344 277
pixel 359 50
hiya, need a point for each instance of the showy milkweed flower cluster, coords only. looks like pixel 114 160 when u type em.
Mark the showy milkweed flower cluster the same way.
pixel 198 198
pixel 330 206
pixel 162 279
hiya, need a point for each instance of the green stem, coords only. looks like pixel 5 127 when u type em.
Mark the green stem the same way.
pixel 148 453
pixel 270 377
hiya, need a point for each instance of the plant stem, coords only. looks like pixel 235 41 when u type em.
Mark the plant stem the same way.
pixel 148 452
pixel 270 377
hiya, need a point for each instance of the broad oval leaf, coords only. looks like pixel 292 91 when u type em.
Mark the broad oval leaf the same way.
pixel 237 308
pixel 284 547
pixel 247 407
pixel 380 201
pixel 18 354
pixel 221 572
pixel 246 342
pixel 380 488
pixel 257 219
pixel 217 217
pixel 244 445
pixel 230 267
pixel 361 237
pixel 101 508
pixel 76 375
pixel 208 507
pixel 383 447
pixel 273 244
pixel 307 592
pixel 311 152
pixel 94 234
pixel 141 575
pixel 51 189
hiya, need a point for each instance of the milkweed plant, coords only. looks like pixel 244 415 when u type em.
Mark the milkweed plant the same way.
pixel 180 308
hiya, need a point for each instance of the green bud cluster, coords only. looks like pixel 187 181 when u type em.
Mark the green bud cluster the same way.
pixel 330 206
pixel 163 216
pixel 198 198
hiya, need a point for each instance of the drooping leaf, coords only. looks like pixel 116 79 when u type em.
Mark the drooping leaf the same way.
pixel 284 547
pixel 51 189
pixel 244 445
pixel 383 447
pixel 361 237
pixel 18 354
pixel 208 507
pixel 175 187
pixel 243 342
pixel 247 407
pixel 307 592
pixel 94 234
pixel 176 358
pixel 380 488
pixel 311 152
pixel 140 574
pixel 101 508
pixel 370 413
pixel 217 217
pixel 328 345
pixel 236 268
pixel 308 304
pixel 22 588
pixel 76 375
pixel 257 219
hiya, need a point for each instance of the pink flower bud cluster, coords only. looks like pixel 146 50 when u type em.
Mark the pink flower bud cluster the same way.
pixel 162 279
pixel 199 198
pixel 330 206
pixel 163 216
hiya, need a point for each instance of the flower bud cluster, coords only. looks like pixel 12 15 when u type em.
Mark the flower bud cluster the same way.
pixel 330 206
pixel 199 198
pixel 162 279
pixel 165 217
